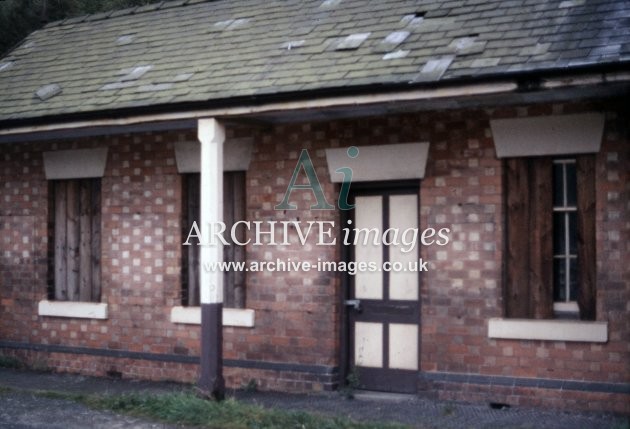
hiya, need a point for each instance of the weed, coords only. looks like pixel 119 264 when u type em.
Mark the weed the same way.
pixel 10 362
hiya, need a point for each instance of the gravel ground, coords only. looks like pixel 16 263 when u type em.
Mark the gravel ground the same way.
pixel 21 409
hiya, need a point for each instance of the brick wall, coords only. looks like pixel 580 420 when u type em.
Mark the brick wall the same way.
pixel 297 314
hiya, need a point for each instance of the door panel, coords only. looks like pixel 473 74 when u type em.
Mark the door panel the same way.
pixel 403 215
pixel 383 311
pixel 403 346
pixel 369 214
pixel 369 344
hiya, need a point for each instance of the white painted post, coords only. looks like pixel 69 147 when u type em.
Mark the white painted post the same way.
pixel 211 134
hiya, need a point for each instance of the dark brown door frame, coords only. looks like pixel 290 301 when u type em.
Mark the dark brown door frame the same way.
pixel 399 187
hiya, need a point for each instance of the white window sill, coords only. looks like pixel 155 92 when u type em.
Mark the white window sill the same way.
pixel 548 330
pixel 237 317
pixel 81 310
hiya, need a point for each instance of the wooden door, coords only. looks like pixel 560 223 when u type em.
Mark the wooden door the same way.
pixel 382 307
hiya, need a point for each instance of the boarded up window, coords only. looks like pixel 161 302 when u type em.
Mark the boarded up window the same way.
pixel 233 211
pixel 544 222
pixel 76 262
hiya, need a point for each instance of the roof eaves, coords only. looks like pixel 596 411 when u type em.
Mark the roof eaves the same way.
pixel 527 80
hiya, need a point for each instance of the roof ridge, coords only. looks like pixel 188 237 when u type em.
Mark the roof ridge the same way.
pixel 116 13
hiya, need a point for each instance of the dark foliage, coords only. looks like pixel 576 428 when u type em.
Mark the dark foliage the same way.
pixel 18 18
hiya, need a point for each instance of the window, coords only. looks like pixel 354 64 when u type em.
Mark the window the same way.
pixel 233 211
pixel 564 235
pixel 550 223
pixel 76 240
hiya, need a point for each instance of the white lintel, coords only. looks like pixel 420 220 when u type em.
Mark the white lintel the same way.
pixel 380 162
pixel 75 163
pixel 548 135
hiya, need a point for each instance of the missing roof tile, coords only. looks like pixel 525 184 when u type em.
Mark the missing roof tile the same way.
pixel 392 40
pixel 395 55
pixel 6 65
pixel 292 44
pixel 222 25
pixel 350 42
pixel 134 73
pixel 571 3
pixel 125 39
pixel 238 23
pixel 117 85
pixel 467 45
pixel 229 24
pixel 434 69
pixel 47 92
pixel 329 3
pixel 413 20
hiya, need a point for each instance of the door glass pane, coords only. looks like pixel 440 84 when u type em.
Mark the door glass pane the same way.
pixel 403 346
pixel 368 216
pixel 403 217
pixel 368 344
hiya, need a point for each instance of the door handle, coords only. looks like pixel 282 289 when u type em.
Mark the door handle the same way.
pixel 354 303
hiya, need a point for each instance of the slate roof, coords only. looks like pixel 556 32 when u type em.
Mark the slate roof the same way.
pixel 188 51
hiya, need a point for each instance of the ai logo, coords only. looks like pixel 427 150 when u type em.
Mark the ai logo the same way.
pixel 304 162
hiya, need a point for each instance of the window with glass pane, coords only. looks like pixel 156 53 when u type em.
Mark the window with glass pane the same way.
pixel 565 230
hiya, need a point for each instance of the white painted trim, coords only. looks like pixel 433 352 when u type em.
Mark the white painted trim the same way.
pixel 329 102
pixel 237 317
pixel 380 162
pixel 548 330
pixel 75 163
pixel 321 103
pixel 237 155
pixel 211 134
pixel 81 310
pixel 548 135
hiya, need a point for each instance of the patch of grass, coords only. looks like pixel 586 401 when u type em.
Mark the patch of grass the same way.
pixel 10 362
pixel 251 386
pixel 448 410
pixel 186 408
pixel 353 383
pixel 623 425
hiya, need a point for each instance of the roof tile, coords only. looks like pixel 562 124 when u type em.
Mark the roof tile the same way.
pixel 202 50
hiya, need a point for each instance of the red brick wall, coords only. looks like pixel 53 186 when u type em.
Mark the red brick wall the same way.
pixel 297 313
pixel 463 190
